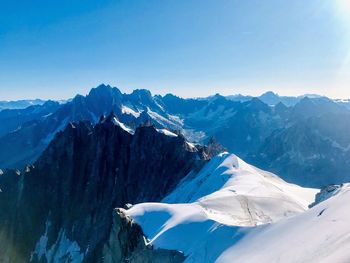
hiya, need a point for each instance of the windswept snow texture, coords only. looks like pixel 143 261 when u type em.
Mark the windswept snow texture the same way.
pixel 321 234
pixel 211 211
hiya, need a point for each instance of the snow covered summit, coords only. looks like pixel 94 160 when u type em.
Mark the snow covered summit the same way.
pixel 213 209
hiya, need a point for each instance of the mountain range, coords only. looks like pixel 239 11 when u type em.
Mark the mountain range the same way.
pixel 112 177
pixel 303 139
pixel 19 104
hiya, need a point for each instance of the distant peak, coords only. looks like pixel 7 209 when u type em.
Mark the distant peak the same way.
pixel 281 105
pixel 142 93
pixel 312 96
pixel 103 90
pixel 305 100
pixel 256 101
pixel 217 98
pixel 51 103
pixel 78 98
pixel 103 86
pixel 142 96
pixel 269 93
pixel 171 95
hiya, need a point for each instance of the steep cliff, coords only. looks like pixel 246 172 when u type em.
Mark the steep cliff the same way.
pixel 61 208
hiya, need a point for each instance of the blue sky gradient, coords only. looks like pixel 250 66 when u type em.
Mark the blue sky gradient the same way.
pixel 55 49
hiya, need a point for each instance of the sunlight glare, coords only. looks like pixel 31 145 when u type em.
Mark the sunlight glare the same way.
pixel 343 7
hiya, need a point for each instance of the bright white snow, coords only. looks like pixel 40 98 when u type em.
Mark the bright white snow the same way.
pixel 167 132
pixel 130 111
pixel 233 192
pixel 321 234
pixel 122 125
pixel 211 211
pixel 171 122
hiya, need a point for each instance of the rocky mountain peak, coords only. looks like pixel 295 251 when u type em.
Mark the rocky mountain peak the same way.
pixel 86 171
pixel 103 91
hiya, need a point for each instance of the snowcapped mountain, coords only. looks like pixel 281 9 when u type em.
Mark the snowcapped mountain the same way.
pixel 295 142
pixel 210 211
pixel 108 149
pixel 27 140
pixel 240 126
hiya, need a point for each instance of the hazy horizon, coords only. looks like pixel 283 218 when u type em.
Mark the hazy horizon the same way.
pixel 84 93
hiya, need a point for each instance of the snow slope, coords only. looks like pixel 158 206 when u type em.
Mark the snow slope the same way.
pixel 212 210
pixel 321 234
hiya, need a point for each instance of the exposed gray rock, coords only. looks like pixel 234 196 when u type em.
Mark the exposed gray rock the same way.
pixel 128 244
pixel 326 193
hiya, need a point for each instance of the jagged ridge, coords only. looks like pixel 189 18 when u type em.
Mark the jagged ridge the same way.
pixel 66 200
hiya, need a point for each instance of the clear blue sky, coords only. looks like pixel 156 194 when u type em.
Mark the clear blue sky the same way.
pixel 55 49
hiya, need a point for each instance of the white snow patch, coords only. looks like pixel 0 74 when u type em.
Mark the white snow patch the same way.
pixel 47 115
pixel 176 119
pixel 191 146
pixel 163 120
pixel 17 129
pixel 321 234
pixel 130 111
pixel 193 135
pixel 122 125
pixel 167 132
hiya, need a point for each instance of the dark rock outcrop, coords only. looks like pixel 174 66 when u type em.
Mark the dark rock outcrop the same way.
pixel 135 250
pixel 326 193
pixel 62 206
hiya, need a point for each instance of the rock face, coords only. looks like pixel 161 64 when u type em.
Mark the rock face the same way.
pixel 61 209
pixel 326 193
pixel 135 250
pixel 313 153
